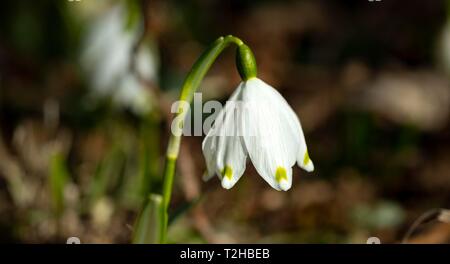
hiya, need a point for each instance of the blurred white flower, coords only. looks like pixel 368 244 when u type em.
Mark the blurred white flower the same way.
pixel 266 129
pixel 107 58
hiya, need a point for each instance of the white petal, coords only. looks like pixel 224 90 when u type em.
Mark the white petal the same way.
pixel 232 163
pixel 210 143
pixel 223 146
pixel 271 133
pixel 303 159
pixel 209 147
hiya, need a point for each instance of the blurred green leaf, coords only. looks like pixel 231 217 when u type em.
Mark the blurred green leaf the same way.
pixel 59 175
pixel 107 175
pixel 147 228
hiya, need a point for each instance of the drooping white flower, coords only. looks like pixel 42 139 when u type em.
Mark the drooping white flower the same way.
pixel 265 128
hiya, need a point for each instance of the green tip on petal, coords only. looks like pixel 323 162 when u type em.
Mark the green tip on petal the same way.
pixel 227 177
pixel 306 159
pixel 280 174
pixel 282 179
pixel 227 172
pixel 307 163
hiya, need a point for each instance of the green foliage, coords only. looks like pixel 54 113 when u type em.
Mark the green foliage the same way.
pixel 147 228
pixel 59 175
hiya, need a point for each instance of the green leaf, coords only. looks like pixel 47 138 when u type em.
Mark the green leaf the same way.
pixel 58 178
pixel 148 225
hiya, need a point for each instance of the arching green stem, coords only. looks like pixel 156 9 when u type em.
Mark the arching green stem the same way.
pixel 190 85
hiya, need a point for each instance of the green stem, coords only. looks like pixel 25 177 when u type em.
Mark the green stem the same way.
pixel 190 85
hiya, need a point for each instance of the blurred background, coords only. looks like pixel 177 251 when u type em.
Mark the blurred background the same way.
pixel 85 94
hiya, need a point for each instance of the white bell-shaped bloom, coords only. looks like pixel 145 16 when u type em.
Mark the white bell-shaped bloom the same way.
pixel 256 122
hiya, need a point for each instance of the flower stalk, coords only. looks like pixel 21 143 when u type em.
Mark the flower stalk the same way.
pixel 190 86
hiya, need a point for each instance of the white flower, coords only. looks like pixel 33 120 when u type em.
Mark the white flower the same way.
pixel 107 56
pixel 266 129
